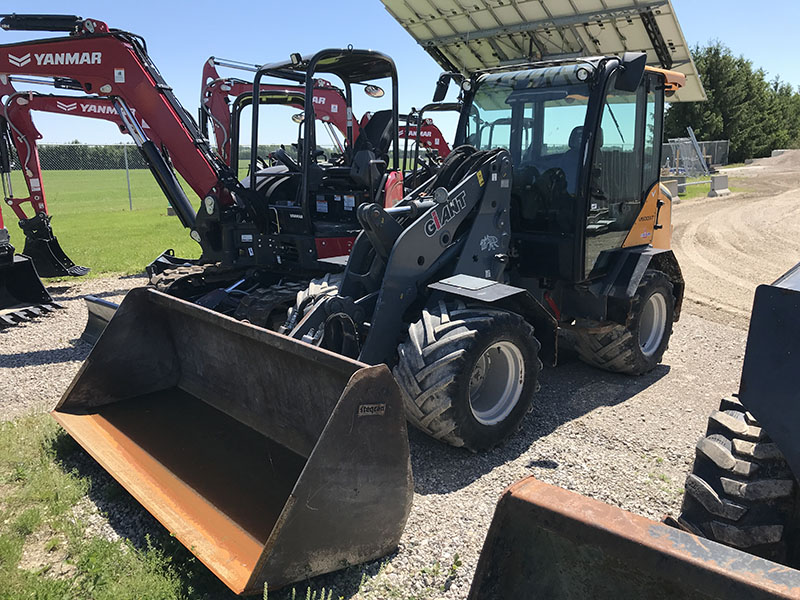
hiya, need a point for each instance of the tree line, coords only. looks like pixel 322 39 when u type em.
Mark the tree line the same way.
pixel 757 115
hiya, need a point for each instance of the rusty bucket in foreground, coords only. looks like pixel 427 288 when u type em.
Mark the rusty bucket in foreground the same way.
pixel 547 542
pixel 270 460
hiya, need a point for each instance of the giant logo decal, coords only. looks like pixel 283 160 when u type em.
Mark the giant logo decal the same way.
pixel 441 216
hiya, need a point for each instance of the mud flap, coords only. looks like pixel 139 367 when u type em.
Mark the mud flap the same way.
pixel 45 251
pixel 99 314
pixel 547 542
pixel 269 459
pixel 22 294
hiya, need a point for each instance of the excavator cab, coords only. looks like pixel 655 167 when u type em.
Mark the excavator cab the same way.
pixel 328 192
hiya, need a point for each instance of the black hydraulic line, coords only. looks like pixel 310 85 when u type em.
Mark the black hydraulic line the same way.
pixel 5 154
pixel 169 184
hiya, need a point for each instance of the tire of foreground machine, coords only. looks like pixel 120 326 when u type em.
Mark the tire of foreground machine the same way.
pixel 468 374
pixel 638 346
pixel 740 491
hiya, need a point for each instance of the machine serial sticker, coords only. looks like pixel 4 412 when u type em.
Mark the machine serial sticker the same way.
pixel 480 178
pixel 371 410
pixel 119 75
pixel 322 204
pixel 349 202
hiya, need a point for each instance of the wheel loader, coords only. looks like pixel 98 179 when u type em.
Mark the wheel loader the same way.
pixel 743 487
pixel 460 288
pixel 737 533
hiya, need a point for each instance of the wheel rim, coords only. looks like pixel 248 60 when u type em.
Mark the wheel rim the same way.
pixel 653 324
pixel 496 382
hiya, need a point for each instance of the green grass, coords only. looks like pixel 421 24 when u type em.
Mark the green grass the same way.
pixel 96 228
pixel 38 495
pixel 701 190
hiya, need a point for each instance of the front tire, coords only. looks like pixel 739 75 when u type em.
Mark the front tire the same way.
pixel 468 374
pixel 639 345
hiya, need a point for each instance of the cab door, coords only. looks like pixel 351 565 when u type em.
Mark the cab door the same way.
pixel 624 168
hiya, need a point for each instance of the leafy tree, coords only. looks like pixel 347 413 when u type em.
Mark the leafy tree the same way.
pixel 756 115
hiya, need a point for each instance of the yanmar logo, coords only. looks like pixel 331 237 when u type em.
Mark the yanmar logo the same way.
pixel 67 107
pixel 57 58
pixel 19 61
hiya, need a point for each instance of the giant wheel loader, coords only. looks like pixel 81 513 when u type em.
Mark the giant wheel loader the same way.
pixel 548 214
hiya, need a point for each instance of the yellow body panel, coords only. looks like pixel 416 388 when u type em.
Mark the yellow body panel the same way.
pixel 654 224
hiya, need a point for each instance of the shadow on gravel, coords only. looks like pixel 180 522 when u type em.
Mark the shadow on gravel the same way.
pixel 78 350
pixel 567 392
pixel 130 520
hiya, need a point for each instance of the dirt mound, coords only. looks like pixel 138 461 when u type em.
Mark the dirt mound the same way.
pixel 790 159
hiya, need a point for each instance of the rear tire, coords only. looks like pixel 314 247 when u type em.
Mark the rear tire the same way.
pixel 741 492
pixel 468 374
pixel 639 345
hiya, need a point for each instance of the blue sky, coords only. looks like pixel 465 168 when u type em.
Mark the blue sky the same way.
pixel 181 35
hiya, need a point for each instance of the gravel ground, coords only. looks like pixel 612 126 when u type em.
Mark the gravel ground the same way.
pixel 626 441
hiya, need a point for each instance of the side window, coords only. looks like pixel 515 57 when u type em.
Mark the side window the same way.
pixel 653 124
pixel 616 181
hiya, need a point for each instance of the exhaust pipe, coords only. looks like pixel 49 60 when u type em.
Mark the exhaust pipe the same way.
pixel 269 459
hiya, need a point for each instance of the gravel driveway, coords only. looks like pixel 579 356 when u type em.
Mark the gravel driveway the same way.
pixel 626 441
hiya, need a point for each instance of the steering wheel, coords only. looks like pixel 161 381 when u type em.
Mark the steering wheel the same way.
pixel 286 160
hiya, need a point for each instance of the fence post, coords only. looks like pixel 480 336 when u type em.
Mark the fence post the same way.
pixel 128 176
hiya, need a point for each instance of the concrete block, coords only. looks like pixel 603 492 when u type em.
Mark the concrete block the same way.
pixel 672 186
pixel 719 186
pixel 778 153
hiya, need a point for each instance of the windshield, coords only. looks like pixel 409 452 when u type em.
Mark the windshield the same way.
pixel 537 115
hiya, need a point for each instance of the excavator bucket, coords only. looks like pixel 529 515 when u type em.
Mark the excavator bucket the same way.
pixel 22 294
pixel 45 251
pixel 547 542
pixel 269 459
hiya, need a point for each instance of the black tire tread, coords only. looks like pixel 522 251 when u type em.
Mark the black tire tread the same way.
pixel 615 347
pixel 433 356
pixel 740 491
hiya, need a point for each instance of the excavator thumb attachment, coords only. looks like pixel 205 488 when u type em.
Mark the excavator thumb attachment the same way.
pixel 269 459
pixel 45 251
pixel 547 542
pixel 22 294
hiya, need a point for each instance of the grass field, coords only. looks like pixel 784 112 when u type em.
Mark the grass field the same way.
pixel 95 226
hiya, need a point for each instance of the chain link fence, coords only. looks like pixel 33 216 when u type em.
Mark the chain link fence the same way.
pixel 679 155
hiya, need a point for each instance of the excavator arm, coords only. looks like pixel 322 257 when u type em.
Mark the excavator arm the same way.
pixel 114 65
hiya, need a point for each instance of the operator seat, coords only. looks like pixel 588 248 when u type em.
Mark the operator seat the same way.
pixel 372 143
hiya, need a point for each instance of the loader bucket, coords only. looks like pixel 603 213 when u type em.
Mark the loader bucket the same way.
pixel 22 294
pixel 547 542
pixel 269 459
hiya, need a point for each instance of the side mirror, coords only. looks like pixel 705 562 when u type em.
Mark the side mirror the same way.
pixel 629 77
pixel 441 87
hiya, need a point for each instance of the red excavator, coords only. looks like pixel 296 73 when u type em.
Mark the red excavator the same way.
pixel 281 222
